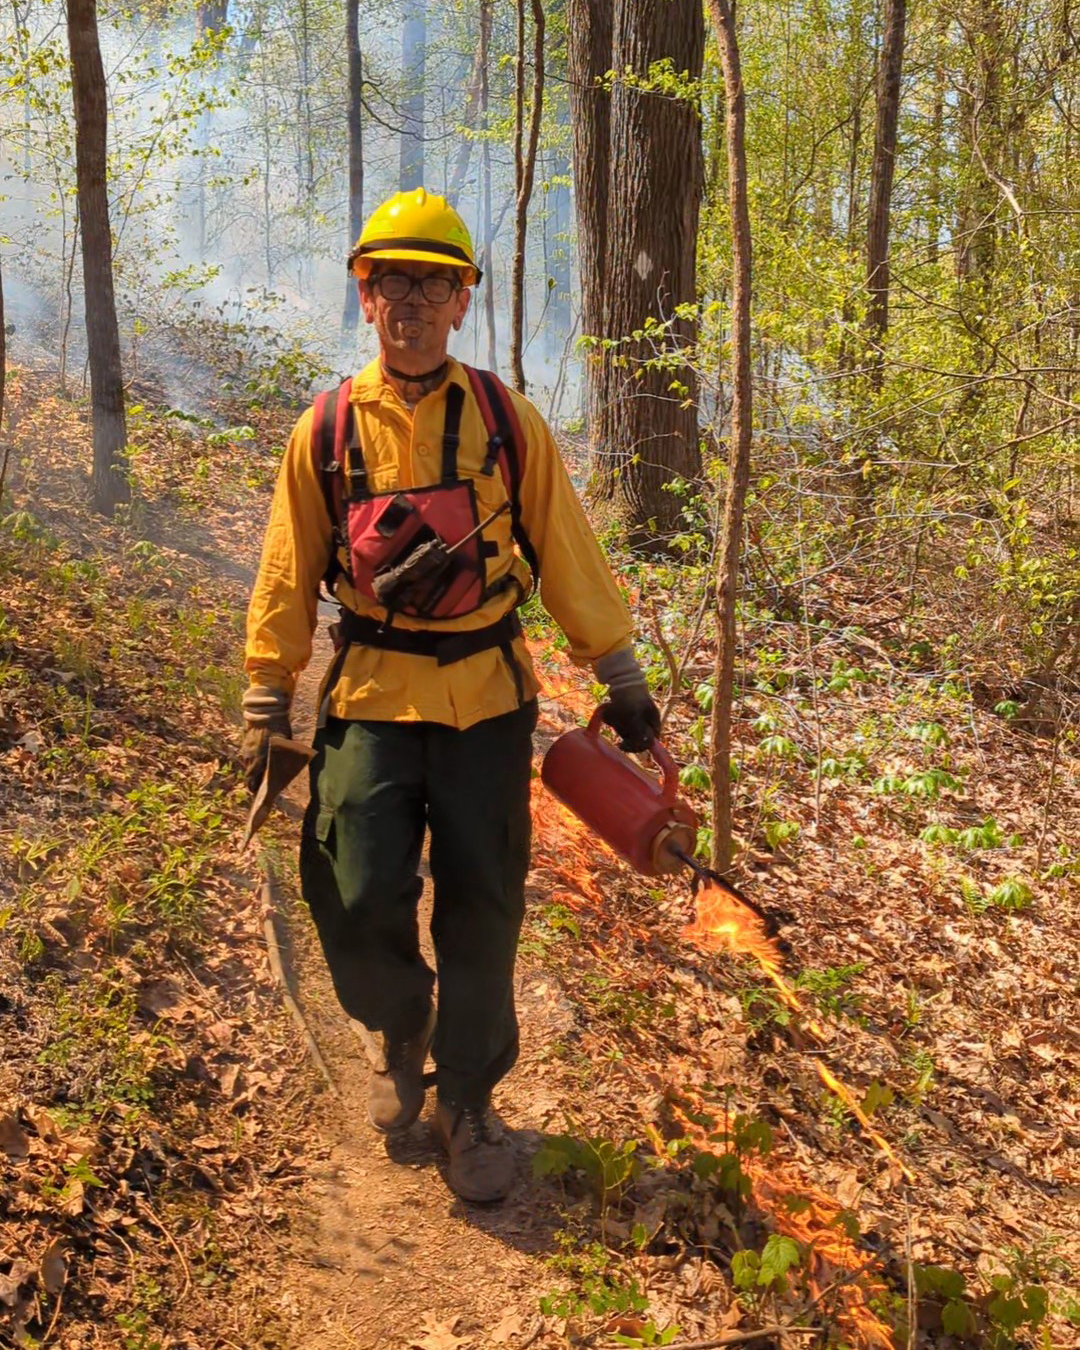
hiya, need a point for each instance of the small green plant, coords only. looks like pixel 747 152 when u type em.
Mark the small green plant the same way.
pixel 877 1096
pixel 986 835
pixel 650 1334
pixel 1013 1308
pixel 136 1329
pixel 596 1289
pixel 561 920
pixel 925 785
pixel 830 989
pixel 696 777
pixel 929 733
pixel 767 1271
pixel 843 766
pixel 778 832
pixel 744 1137
pixel 608 1168
pixel 844 676
pixel 776 746
pixel 921 1063
pixel 1011 894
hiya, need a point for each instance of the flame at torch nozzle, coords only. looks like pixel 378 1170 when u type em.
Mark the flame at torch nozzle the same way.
pixel 705 876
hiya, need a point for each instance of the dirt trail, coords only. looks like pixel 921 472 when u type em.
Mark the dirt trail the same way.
pixel 389 1256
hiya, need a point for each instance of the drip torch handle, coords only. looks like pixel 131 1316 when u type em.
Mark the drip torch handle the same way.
pixel 665 763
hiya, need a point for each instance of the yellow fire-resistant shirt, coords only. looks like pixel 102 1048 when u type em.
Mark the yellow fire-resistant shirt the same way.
pixel 403 449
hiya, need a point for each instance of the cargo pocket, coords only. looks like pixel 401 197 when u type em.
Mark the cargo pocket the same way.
pixel 323 829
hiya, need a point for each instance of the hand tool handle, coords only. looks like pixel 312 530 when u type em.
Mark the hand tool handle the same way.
pixel 666 764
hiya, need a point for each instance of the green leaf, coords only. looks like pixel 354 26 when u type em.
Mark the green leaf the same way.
pixel 957 1319
pixel 695 776
pixel 1008 1313
pixel 877 1096
pixel 744 1269
pixel 550 1161
pixel 779 1255
pixel 1037 1303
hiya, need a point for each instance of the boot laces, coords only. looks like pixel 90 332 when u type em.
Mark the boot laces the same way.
pixel 396 1053
pixel 478 1123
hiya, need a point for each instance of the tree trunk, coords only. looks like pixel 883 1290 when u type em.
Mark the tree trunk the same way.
pixel 472 107
pixel 727 580
pixel 935 215
pixel 525 171
pixel 881 181
pixel 351 315
pixel 648 430
pixel 413 62
pixel 3 382
pixel 588 59
pixel 489 268
pixel 110 484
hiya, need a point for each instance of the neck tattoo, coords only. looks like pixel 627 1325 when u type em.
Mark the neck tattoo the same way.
pixel 416 386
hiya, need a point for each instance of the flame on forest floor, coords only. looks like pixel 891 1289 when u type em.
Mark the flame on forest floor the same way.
pixel 568 846
pixel 568 850
pixel 723 923
pixel 561 682
pixel 834 1264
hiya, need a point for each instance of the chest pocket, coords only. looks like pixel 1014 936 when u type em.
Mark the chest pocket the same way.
pixel 464 528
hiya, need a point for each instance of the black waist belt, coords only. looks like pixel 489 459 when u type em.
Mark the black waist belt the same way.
pixel 446 648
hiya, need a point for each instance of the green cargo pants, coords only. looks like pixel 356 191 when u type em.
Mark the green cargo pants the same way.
pixel 374 788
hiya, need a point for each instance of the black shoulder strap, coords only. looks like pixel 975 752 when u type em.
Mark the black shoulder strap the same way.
pixel 455 402
pixel 330 438
pixel 506 447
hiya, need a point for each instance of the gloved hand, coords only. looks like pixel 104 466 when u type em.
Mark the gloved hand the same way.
pixel 630 710
pixel 266 714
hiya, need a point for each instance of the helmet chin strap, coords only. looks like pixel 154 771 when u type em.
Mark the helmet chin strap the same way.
pixel 414 379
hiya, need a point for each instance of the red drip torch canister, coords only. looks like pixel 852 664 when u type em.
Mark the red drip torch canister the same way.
pixel 637 816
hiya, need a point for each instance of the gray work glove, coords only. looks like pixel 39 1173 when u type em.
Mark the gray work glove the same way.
pixel 266 714
pixel 629 709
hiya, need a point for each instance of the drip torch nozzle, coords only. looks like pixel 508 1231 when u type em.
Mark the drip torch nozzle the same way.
pixel 705 875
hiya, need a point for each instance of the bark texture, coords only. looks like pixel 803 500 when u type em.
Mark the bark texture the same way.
pixel 588 56
pixel 881 176
pixel 727 580
pixel 110 484
pixel 648 431
pixel 413 63
pixel 351 316
pixel 525 171
pixel 485 187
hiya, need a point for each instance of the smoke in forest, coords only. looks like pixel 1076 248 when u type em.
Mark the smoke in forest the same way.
pixel 229 188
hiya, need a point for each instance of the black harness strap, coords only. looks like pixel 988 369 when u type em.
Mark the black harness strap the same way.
pixel 508 431
pixel 328 469
pixel 445 647
pixel 355 468
pixel 455 402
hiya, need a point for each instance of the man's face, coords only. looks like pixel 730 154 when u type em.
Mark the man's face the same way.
pixel 413 322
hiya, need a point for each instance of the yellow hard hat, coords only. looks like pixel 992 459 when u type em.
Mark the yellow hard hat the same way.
pixel 415 226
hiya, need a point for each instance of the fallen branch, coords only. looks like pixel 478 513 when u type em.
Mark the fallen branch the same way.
pixel 742 1337
pixel 269 896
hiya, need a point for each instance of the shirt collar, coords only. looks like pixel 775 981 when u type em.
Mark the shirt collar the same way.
pixel 371 384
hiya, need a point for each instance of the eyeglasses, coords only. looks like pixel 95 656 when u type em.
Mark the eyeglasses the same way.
pixel 436 290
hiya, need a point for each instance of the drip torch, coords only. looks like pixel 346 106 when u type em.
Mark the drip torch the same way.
pixel 643 820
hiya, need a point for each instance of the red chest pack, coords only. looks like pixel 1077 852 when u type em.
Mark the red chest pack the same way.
pixel 420 551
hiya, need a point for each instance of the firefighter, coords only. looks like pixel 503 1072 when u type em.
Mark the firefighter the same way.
pixel 427 710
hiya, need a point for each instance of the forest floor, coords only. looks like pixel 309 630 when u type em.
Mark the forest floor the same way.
pixel 863 1132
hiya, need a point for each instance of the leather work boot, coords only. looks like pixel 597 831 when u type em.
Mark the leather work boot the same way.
pixel 396 1086
pixel 481 1157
